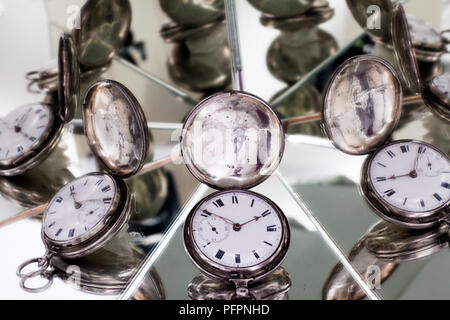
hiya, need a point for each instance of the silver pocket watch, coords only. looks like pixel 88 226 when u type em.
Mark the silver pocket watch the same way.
pixel 435 93
pixel 101 30
pixel 30 133
pixel 405 181
pixel 233 141
pixel 88 212
pixel 428 44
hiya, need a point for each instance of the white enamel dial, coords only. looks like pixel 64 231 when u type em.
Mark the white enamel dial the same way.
pixel 23 129
pixel 79 207
pixel 237 229
pixel 411 176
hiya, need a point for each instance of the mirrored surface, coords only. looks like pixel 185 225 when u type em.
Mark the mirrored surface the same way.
pixel 170 63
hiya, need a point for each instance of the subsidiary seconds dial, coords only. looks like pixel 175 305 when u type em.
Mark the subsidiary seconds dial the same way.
pixel 411 176
pixel 237 229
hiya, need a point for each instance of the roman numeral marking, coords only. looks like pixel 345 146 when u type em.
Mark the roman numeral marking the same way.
pixel 106 189
pixel 41 127
pixel 32 139
pixel 99 182
pixel 220 254
pixel 234 199
pixel 59 199
pixel 72 188
pixel 85 182
pixel 381 165
pixel 71 233
pixel 218 203
pixel 59 231
pixel 107 200
pixel 389 193
pixel 53 212
pixel 255 254
pixel 38 111
pixel 206 244
pixel 421 149
pixel 404 202
pixel 437 196
pixel 390 153
pixel 445 185
pixel 380 179
pixel 251 204
pixel 19 149
pixel 422 203
pixel 265 213
pixel 206 213
pixel 404 149
pixel 271 228
pixel 237 258
pixel 268 243
pixel 51 225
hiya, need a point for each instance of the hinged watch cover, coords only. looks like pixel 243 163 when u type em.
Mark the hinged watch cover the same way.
pixel 116 128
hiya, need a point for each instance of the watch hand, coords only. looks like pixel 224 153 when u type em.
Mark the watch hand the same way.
pixel 256 218
pixel 212 228
pixel 76 204
pixel 220 217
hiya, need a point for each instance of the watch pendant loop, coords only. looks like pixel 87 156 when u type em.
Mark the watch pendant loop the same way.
pixel 42 263
pixel 46 275
pixel 445 39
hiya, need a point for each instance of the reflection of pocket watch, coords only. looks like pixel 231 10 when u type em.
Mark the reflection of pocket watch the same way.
pixel 30 133
pixel 427 43
pixel 274 287
pixel 103 28
pixel 435 92
pixel 405 181
pixel 234 141
pixel 107 273
pixel 89 211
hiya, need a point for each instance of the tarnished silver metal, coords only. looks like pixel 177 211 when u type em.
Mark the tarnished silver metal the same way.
pixel 106 273
pixel 193 12
pixel 340 285
pixel 435 92
pixel 104 26
pixel 232 140
pixel 370 13
pixel 319 12
pixel 375 17
pixel 284 8
pixel 399 216
pixel 242 277
pixel 392 243
pixel 61 111
pixel 116 127
pixel 68 78
pixel 362 104
pixel 273 287
pixel 436 95
pixel 428 44
pixel 404 51
pixel 108 106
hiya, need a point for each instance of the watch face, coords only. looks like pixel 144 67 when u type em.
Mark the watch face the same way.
pixel 237 229
pixel 411 176
pixel 22 130
pixel 77 210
